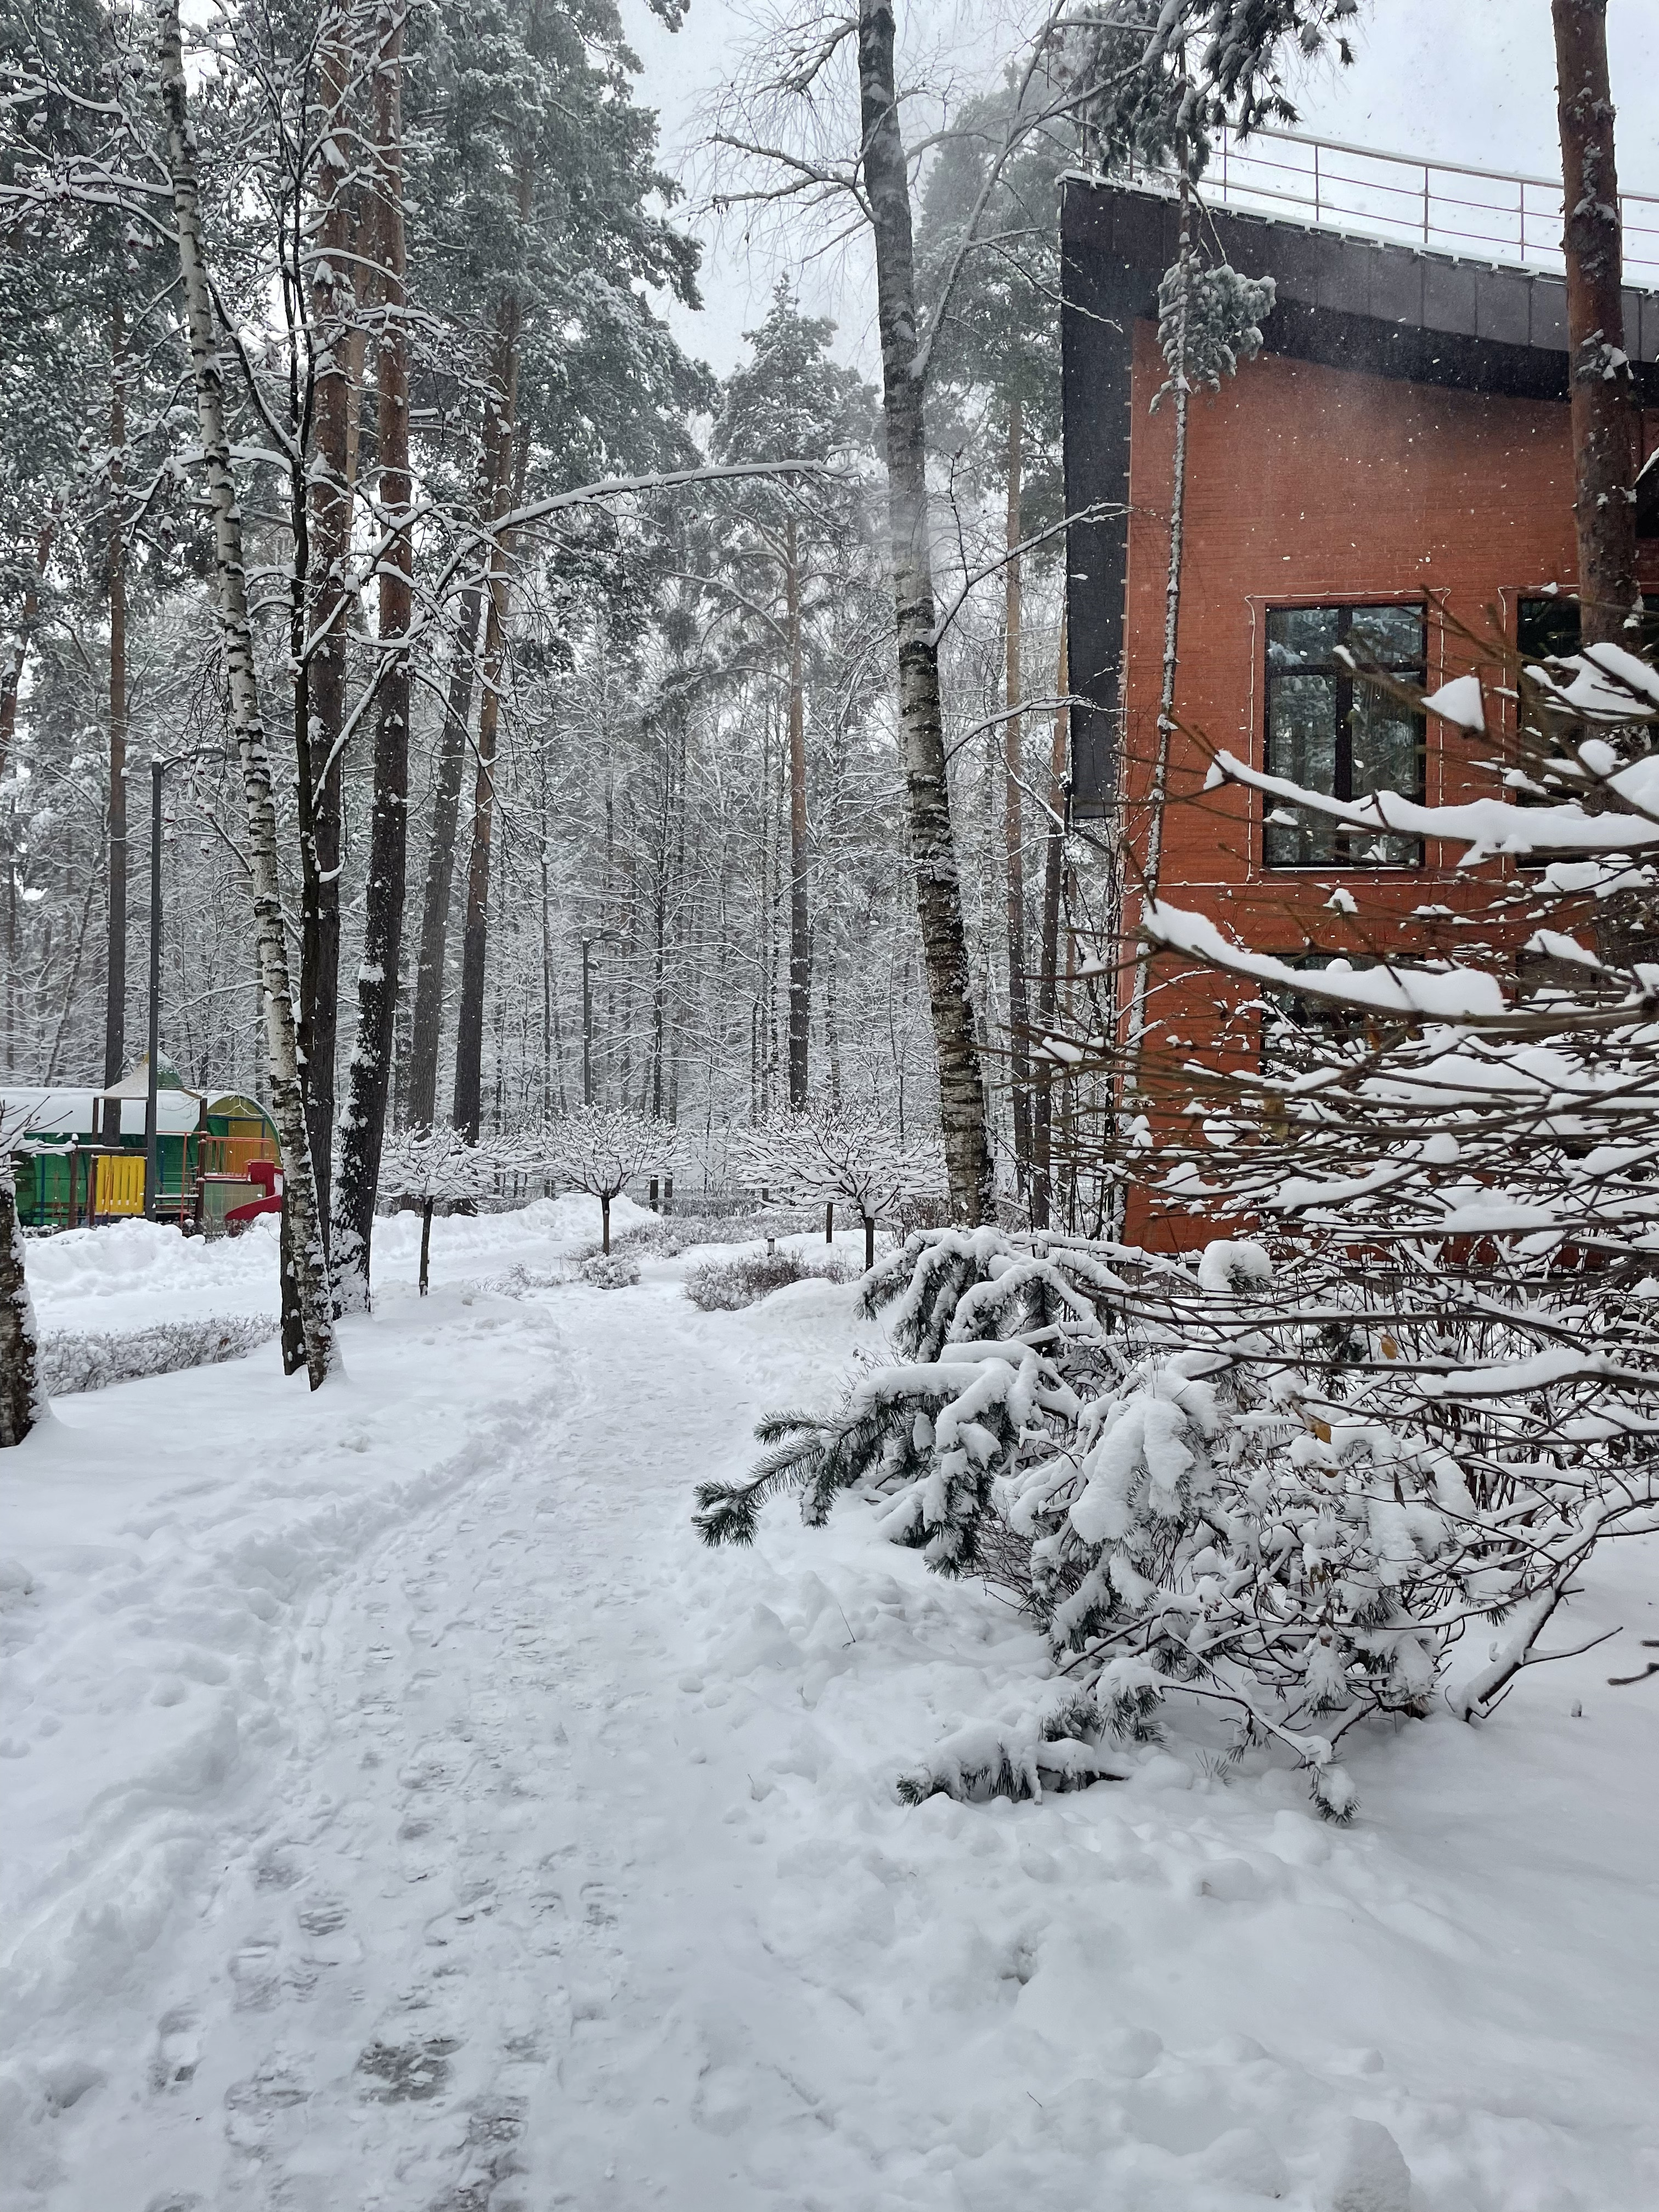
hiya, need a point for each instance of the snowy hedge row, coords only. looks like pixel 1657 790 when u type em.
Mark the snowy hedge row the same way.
pixel 727 1285
pixel 86 1359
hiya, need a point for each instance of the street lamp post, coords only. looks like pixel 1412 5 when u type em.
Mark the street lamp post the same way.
pixel 589 939
pixel 157 768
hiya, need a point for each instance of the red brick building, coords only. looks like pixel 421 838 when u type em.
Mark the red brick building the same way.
pixel 1395 465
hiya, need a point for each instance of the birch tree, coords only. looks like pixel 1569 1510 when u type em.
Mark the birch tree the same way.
pixel 22 1402
pixel 933 849
pixel 306 1254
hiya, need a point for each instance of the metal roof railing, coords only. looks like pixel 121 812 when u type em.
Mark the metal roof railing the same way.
pixel 1486 214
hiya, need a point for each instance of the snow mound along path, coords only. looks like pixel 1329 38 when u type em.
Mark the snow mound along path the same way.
pixel 558 1861
pixel 132 1274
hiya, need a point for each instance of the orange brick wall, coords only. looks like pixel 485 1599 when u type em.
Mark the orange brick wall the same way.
pixel 1313 484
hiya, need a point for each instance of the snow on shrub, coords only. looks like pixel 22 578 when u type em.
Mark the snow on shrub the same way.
pixel 439 1166
pixel 1163 1470
pixel 827 1157
pixel 610 1271
pixel 598 1149
pixel 78 1359
pixel 726 1286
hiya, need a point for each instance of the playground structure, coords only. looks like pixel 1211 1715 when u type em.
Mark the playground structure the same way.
pixel 79 1155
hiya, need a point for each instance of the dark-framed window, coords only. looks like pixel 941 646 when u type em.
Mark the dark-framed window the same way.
pixel 1546 627
pixel 1332 732
pixel 1289 1017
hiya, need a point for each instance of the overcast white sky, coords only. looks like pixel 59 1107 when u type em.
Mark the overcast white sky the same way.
pixel 1460 79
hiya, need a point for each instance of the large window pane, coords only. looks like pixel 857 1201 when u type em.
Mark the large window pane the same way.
pixel 1300 637
pixel 1388 637
pixel 1333 733
pixel 1546 629
pixel 1301 748
pixel 1387 756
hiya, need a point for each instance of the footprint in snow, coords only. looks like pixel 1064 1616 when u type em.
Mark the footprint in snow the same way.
pixel 407 2073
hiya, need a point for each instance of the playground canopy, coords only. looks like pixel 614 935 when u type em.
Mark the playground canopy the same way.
pixel 79 1154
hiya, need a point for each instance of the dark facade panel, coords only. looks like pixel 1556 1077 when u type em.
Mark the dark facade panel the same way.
pixel 1290 257
pixel 1103 297
pixel 1503 309
pixel 1549 313
pixel 1344 278
pixel 1396 287
pixel 1142 233
pixel 1449 297
pixel 1642 327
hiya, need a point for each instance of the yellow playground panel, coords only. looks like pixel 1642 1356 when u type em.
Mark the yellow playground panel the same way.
pixel 119 1184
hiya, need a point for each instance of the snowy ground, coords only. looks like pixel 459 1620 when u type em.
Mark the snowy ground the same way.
pixel 402 1811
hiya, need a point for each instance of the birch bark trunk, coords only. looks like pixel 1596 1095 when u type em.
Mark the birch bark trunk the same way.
pixel 1604 461
pixel 21 1402
pixel 281 1043
pixel 363 1125
pixel 932 850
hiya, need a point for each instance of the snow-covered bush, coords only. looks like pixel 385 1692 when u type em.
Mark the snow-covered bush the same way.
pixel 726 1286
pixel 610 1271
pixel 438 1166
pixel 91 1360
pixel 830 1157
pixel 599 1150
pixel 1197 1492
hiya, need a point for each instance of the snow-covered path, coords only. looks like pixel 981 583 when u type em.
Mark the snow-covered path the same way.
pixel 444 1962
pixel 520 1854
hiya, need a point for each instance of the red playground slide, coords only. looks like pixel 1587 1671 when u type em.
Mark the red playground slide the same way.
pixel 269 1178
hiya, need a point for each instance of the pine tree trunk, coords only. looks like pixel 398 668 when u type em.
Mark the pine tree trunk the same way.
pixel 467 1108
pixel 1054 858
pixel 21 1402
pixel 1604 506
pixel 287 1103
pixel 320 681
pixel 115 973
pixel 1013 826
pixel 427 1034
pixel 933 851
pixel 800 943
pixel 363 1125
